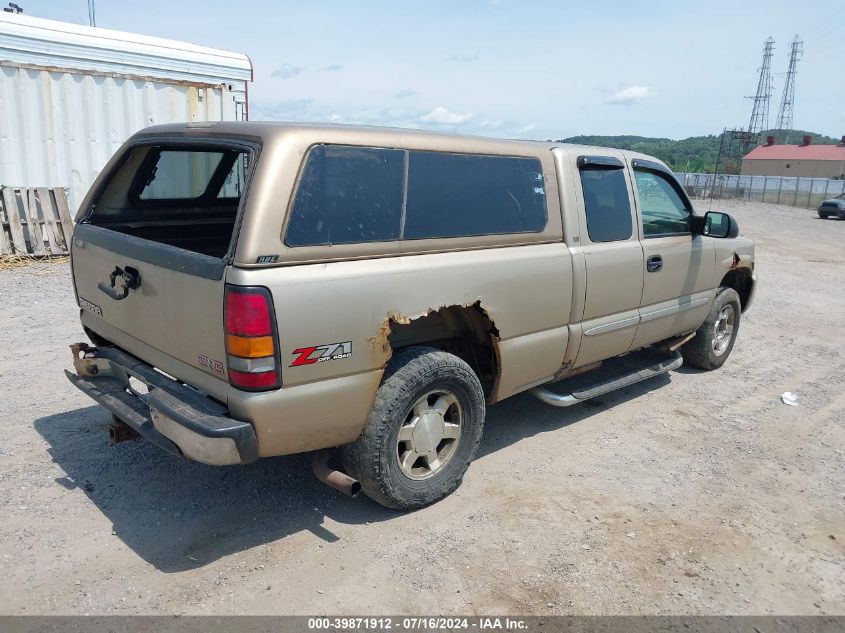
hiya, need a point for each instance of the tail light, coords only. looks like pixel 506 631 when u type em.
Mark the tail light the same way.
pixel 252 345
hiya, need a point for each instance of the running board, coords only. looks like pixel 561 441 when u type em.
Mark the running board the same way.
pixel 639 368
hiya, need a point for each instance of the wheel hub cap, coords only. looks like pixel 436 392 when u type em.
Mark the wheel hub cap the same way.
pixel 428 431
pixel 429 435
pixel 723 330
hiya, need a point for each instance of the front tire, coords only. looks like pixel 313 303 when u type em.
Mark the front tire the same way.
pixel 422 432
pixel 715 339
pixel 823 215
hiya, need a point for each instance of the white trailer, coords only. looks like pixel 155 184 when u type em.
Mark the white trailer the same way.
pixel 71 94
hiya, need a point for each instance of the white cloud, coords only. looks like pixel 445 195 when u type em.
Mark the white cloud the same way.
pixel 331 69
pixel 288 110
pixel 465 59
pixel 405 92
pixel 525 129
pixel 446 117
pixel 286 71
pixel 440 118
pixel 630 95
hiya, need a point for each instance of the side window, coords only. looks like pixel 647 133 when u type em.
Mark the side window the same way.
pixel 664 211
pixel 455 195
pixel 606 203
pixel 348 195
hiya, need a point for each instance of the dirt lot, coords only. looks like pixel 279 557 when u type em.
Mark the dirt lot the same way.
pixel 695 493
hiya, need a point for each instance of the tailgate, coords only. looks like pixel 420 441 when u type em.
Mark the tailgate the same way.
pixel 173 319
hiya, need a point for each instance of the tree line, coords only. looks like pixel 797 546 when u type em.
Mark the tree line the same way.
pixel 693 154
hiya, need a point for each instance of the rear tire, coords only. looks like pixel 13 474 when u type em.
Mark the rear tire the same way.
pixel 715 339
pixel 422 432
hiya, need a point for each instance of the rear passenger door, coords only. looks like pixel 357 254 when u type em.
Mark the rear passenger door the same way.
pixel 679 266
pixel 613 258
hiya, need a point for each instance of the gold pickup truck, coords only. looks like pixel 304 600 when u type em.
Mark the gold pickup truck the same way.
pixel 259 289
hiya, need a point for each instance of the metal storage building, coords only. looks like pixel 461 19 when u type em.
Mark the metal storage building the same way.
pixel 71 94
pixel 803 161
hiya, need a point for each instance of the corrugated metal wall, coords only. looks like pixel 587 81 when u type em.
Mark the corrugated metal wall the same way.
pixel 71 94
pixel 59 127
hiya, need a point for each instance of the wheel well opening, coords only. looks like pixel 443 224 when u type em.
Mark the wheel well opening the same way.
pixel 740 280
pixel 465 331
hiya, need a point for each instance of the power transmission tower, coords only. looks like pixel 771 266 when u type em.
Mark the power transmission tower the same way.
pixel 784 123
pixel 760 110
pixel 734 144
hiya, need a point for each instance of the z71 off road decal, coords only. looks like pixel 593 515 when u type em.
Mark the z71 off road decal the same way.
pixel 321 353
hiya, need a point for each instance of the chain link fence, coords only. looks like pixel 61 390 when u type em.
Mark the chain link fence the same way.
pixel 795 192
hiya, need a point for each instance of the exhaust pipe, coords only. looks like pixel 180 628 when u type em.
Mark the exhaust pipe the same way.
pixel 334 478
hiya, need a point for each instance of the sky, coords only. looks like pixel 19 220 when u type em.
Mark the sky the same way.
pixel 509 68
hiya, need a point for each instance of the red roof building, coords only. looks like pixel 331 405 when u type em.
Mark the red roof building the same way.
pixel 804 161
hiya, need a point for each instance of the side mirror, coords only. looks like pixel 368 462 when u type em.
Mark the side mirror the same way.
pixel 717 224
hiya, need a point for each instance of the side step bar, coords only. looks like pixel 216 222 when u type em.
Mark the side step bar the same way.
pixel 606 386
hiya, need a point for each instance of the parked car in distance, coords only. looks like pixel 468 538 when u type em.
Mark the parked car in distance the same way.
pixel 260 289
pixel 833 207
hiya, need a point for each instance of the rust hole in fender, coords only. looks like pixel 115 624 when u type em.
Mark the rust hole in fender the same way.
pixel 467 331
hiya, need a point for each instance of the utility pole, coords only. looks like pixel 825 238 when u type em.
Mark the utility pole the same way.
pixel 92 13
pixel 784 123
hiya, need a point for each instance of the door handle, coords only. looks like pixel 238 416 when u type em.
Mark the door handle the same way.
pixel 654 263
pixel 131 281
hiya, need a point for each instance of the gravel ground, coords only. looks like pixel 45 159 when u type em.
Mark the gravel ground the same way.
pixel 695 493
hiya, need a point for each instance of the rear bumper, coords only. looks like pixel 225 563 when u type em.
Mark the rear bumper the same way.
pixel 171 415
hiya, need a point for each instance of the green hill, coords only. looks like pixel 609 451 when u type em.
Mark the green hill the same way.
pixel 693 154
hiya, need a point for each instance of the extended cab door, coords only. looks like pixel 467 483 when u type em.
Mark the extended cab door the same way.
pixel 679 267
pixel 613 257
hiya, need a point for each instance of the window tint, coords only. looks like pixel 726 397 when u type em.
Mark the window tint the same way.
pixel 180 175
pixel 452 195
pixel 348 195
pixel 607 204
pixel 663 209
